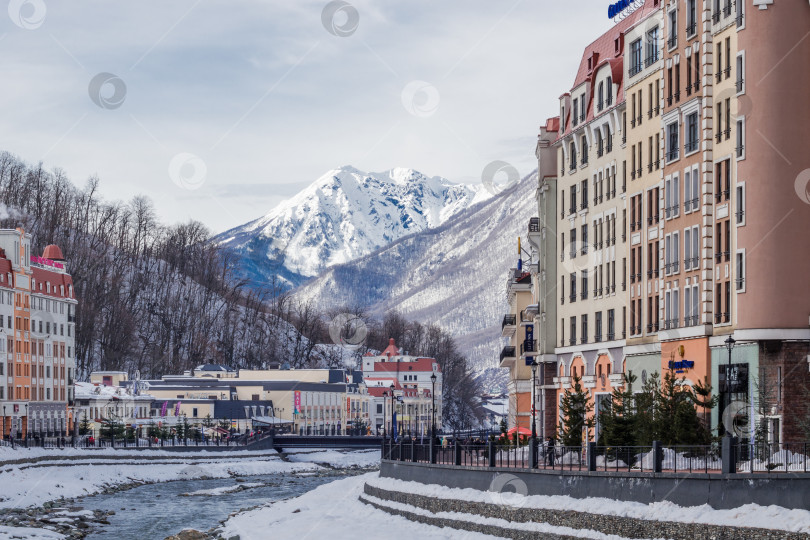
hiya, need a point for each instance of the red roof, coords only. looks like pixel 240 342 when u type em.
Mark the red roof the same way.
pixel 391 350
pixel 603 51
pixel 53 252
pixel 42 277
pixel 553 124
pixel 420 364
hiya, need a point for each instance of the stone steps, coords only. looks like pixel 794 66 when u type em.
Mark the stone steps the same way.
pixel 515 522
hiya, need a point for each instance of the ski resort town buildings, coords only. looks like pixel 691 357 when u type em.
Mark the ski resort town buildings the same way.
pixel 673 212
pixel 299 401
pixel 37 338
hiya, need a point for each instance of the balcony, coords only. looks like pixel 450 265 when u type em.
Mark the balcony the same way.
pixel 534 224
pixel 508 355
pixel 509 325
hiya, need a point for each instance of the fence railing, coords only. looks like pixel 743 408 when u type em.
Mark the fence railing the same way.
pixel 773 457
pixel 84 442
pixel 707 459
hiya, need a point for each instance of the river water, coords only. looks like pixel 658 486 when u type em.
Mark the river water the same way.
pixel 156 511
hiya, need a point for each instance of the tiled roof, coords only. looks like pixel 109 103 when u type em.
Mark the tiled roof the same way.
pixel 603 51
pixel 420 364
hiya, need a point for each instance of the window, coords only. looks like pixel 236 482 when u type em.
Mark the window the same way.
pixel 672 142
pixel 584 284
pixel 575 112
pixel 740 14
pixel 691 18
pixel 609 88
pixel 598 327
pixel 584 248
pixel 573 250
pixel 573 286
pixel 692 133
pixel 584 144
pixel 611 324
pixel 740 198
pixel 740 73
pixel 572 151
pixel 652 47
pixel 673 29
pixel 635 57
pixel 740 269
pixel 672 197
pixel 601 102
pixel 687 249
pixel 740 138
pixel 573 338
pixel 584 329
pixel 584 190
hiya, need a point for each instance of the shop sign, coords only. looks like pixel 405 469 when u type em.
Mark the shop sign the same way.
pixel 681 365
pixel 623 7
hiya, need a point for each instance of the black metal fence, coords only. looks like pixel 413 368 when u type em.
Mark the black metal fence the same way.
pixel 707 459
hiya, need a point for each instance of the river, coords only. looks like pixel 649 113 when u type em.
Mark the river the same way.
pixel 155 511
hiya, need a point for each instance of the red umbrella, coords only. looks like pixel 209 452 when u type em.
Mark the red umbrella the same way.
pixel 521 431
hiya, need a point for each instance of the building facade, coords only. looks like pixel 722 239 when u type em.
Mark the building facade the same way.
pixel 37 316
pixel 682 209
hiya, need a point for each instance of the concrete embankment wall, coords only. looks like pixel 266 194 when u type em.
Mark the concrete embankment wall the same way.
pixel 789 490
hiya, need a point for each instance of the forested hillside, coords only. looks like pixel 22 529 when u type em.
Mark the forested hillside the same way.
pixel 164 298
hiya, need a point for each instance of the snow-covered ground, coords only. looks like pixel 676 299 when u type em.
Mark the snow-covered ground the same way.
pixel 61 475
pixel 9 533
pixel 333 458
pixel 750 515
pixel 332 510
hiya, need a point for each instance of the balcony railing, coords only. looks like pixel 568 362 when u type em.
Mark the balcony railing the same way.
pixel 509 320
pixel 534 224
pixel 507 352
pixel 692 146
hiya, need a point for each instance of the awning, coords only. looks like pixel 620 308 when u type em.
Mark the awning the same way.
pixel 270 420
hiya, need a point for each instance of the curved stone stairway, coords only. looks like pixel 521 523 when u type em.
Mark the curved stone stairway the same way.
pixel 506 521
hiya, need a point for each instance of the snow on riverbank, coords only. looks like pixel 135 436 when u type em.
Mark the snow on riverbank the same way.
pixel 332 510
pixel 8 533
pixel 334 458
pixel 750 515
pixel 27 484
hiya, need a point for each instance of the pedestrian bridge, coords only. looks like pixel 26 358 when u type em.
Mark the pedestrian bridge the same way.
pixel 325 441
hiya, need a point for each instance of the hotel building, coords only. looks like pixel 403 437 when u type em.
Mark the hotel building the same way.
pixel 705 182
pixel 37 339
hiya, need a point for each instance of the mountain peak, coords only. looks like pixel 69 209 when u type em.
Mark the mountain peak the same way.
pixel 345 214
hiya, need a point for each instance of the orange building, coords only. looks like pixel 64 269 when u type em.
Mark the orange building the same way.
pixel 37 352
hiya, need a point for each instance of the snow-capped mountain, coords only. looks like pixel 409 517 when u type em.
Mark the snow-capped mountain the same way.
pixel 345 214
pixel 454 275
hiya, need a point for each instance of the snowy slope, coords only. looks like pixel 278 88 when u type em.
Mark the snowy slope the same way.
pixel 344 215
pixel 454 275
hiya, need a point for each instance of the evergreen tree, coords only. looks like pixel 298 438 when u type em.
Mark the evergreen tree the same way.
pixel 646 419
pixel 618 417
pixel 575 409
pixel 112 426
pixel 84 426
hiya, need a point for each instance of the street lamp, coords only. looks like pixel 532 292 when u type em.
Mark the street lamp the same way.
pixel 730 342
pixel 534 414
pixel 385 398
pixel 433 408
pixel 392 411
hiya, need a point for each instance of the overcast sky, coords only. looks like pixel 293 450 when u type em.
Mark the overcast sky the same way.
pixel 219 109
